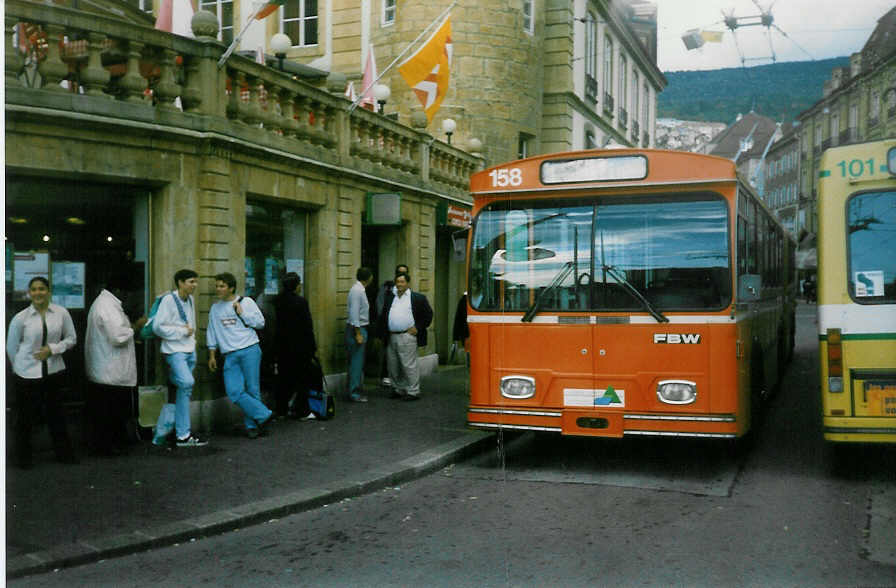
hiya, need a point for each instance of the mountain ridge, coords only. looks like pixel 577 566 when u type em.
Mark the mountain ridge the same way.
pixel 780 91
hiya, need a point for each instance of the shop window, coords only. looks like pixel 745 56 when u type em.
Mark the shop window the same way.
pixel 275 245
pixel 76 234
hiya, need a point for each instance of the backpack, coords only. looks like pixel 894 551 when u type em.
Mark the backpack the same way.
pixel 259 332
pixel 146 332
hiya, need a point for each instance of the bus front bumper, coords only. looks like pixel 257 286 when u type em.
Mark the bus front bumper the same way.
pixel 597 423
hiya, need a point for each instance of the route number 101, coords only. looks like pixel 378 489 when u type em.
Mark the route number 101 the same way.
pixel 856 167
pixel 501 178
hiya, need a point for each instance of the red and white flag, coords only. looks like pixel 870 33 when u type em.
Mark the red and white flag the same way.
pixel 175 16
pixel 367 100
pixel 350 92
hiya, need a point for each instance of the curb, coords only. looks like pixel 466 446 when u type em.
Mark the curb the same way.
pixel 216 523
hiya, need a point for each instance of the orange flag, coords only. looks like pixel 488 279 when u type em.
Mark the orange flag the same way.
pixel 428 70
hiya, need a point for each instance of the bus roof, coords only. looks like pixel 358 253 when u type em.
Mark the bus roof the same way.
pixel 602 168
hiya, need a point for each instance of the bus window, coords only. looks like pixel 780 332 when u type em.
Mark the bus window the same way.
pixel 871 226
pixel 673 250
pixel 522 251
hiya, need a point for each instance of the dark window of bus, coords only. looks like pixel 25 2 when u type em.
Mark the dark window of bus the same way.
pixel 518 253
pixel 871 234
pixel 674 250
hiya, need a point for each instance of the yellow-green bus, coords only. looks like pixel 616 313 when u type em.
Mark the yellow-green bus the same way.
pixel 857 291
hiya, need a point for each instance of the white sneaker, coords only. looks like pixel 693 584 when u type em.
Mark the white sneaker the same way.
pixel 191 441
pixel 386 382
pixel 309 417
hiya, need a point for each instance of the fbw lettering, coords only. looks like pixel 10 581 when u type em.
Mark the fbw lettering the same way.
pixel 677 338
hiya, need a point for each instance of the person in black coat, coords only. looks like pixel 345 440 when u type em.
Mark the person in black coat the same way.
pixel 295 347
pixel 406 317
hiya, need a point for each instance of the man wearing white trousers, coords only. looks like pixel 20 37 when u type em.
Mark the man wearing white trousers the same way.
pixel 406 316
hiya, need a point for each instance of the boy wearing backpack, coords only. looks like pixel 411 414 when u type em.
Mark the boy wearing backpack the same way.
pixel 232 322
pixel 175 324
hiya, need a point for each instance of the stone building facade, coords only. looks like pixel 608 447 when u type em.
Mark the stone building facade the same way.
pixel 858 104
pixel 527 77
pixel 129 150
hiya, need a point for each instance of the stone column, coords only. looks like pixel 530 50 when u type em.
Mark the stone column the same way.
pixel 220 249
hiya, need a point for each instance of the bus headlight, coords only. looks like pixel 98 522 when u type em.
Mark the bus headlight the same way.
pixel 835 384
pixel 677 391
pixel 518 387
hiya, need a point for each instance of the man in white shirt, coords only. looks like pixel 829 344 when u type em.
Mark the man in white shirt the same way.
pixel 356 333
pixel 175 324
pixel 111 366
pixel 406 317
pixel 232 321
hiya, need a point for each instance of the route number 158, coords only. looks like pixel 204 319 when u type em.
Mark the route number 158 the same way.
pixel 501 178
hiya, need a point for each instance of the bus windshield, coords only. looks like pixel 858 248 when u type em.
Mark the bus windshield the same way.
pixel 672 250
pixel 871 218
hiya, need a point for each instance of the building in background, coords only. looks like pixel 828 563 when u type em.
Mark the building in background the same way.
pixel 780 180
pixel 527 77
pixel 858 104
pixel 746 142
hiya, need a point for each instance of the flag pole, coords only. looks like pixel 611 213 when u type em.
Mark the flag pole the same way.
pixel 238 38
pixel 438 19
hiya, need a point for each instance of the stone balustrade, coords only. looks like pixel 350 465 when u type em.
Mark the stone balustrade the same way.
pixel 135 72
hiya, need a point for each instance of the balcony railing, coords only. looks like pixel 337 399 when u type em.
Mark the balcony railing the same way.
pixel 120 70
pixel 645 140
pixel 623 118
pixel 608 104
pixel 590 89
pixel 636 131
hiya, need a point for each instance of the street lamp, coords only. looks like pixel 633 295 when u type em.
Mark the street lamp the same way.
pixel 280 44
pixel 381 93
pixel 448 127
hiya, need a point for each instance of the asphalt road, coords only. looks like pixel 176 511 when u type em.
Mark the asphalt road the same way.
pixel 571 512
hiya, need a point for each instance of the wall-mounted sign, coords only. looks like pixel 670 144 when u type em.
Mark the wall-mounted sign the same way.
pixel 459 217
pixel 69 284
pixel 453 216
pixel 383 209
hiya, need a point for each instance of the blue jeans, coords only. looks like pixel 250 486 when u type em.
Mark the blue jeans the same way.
pixel 242 372
pixel 355 354
pixel 180 372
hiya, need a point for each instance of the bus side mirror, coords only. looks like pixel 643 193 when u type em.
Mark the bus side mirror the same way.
pixel 748 286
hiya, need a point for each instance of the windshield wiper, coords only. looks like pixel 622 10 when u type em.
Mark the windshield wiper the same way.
pixel 558 279
pixel 660 318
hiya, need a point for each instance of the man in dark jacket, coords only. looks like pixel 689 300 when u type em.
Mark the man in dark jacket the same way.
pixel 295 346
pixel 403 323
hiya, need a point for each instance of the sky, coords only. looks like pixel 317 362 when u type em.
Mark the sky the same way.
pixel 812 29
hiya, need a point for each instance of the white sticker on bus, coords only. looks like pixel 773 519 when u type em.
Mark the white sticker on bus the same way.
pixel 589 398
pixel 869 283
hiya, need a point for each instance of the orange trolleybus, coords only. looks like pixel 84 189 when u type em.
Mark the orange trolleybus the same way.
pixel 625 292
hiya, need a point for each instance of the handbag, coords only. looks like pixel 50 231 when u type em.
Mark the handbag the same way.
pixel 321 402
pixel 150 400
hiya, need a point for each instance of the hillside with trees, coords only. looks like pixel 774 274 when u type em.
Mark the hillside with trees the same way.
pixel 779 90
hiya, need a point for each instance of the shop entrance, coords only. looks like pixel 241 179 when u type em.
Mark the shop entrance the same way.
pixel 76 234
